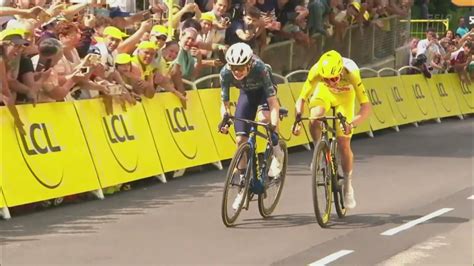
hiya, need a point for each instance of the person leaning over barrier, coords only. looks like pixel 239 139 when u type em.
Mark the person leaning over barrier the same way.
pixel 335 81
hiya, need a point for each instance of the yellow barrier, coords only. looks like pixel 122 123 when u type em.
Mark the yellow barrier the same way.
pixel 51 160
pixel 464 93
pixel 382 116
pixel 419 91
pixel 181 134
pixel 286 100
pixel 444 96
pixel 211 104
pixel 403 106
pixel 121 143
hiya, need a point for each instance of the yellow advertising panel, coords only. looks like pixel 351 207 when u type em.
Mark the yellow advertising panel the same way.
pixel 418 89
pixel 2 199
pixel 51 160
pixel 182 134
pixel 382 116
pixel 211 104
pixel 286 100
pixel 120 142
pixel 464 93
pixel 402 103
pixel 444 97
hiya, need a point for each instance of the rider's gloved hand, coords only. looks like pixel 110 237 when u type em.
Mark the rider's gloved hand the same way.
pixel 274 135
pixel 297 127
pixel 223 126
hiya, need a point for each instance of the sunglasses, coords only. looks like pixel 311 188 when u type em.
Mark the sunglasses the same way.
pixel 332 80
pixel 161 37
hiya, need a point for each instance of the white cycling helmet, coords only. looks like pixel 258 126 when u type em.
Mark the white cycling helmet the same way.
pixel 238 54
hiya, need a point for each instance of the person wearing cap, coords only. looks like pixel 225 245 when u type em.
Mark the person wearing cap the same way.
pixel 146 52
pixel 159 35
pixel 13 44
pixel 207 35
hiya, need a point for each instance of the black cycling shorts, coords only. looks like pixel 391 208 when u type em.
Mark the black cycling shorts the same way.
pixel 248 104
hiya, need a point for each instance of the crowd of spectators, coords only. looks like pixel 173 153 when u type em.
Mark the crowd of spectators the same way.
pixel 452 52
pixel 56 50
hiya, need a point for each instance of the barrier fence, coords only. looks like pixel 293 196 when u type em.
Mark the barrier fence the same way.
pixel 79 146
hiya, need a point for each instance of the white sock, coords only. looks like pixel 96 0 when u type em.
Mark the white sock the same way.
pixel 348 180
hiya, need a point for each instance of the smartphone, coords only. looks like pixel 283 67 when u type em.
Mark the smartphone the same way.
pixel 221 56
pixel 43 66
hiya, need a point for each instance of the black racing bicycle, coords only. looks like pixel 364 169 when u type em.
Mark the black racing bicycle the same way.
pixel 248 174
pixel 327 178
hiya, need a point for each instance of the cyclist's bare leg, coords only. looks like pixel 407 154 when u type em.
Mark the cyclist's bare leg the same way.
pixel 345 151
pixel 315 126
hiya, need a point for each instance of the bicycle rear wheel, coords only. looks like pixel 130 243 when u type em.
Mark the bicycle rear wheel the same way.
pixel 322 184
pixel 236 185
pixel 268 201
pixel 338 182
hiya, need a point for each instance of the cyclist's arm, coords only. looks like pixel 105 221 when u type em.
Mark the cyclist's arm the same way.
pixel 225 88
pixel 272 99
pixel 308 88
pixel 361 94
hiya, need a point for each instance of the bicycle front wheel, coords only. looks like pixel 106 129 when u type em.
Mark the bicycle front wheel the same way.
pixel 321 185
pixel 268 201
pixel 236 185
pixel 338 181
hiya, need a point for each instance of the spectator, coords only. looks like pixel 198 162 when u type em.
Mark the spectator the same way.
pixel 244 30
pixel 462 29
pixel 143 63
pixel 159 35
pixel 460 61
pixel 424 9
pixel 221 22
pixel 54 87
pixel 207 35
pixel 189 59
pixel 318 11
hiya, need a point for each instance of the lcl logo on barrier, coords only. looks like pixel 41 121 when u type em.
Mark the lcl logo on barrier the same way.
pixel 39 137
pixel 116 137
pixel 174 116
pixel 396 94
pixel 177 126
pixel 418 91
pixel 441 90
pixel 374 98
pixel 37 148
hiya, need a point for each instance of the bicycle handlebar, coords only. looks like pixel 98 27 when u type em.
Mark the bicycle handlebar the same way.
pixel 338 116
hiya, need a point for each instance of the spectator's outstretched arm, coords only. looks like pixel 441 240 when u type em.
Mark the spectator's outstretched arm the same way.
pixel 30 13
pixel 129 45
pixel 188 8
pixel 73 10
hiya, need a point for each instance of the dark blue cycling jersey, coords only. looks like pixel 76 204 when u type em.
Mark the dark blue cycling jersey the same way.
pixel 258 78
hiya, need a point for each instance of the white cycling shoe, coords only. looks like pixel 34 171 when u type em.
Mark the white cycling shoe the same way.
pixel 276 166
pixel 349 200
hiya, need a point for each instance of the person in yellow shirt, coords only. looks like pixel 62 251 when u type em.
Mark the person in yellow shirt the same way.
pixel 143 63
pixel 335 81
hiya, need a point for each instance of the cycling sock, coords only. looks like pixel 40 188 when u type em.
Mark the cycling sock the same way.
pixel 348 179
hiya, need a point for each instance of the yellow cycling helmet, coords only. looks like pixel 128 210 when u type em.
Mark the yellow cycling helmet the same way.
pixel 330 64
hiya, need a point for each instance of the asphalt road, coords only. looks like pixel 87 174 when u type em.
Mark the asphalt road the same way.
pixel 399 178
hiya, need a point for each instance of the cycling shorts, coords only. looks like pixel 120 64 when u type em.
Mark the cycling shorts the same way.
pixel 248 104
pixel 343 101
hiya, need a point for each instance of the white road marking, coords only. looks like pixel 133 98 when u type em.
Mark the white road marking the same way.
pixel 332 257
pixel 471 197
pixel 410 224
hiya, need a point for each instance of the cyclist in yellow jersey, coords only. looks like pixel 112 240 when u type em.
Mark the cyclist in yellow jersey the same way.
pixel 336 82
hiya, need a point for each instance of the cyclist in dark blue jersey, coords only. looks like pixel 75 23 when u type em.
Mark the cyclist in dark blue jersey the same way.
pixel 257 98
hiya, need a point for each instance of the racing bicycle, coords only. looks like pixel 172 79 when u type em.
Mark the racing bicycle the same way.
pixel 248 173
pixel 327 178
